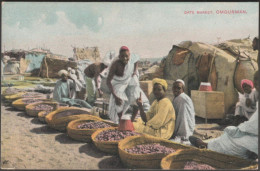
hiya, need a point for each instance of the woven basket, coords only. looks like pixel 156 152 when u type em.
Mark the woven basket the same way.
pixel 54 120
pixel 149 161
pixel 4 94
pixel 20 105
pixel 83 134
pixel 105 146
pixel 32 112
pixel 217 160
pixel 14 97
pixel 41 115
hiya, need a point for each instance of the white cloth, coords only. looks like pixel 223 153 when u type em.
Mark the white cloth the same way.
pixel 242 109
pixel 127 88
pixel 238 140
pixel 185 116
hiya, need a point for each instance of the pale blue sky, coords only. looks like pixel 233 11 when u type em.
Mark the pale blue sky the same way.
pixel 148 28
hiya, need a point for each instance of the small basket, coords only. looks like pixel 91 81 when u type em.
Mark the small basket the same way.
pixel 33 112
pixel 83 134
pixel 41 116
pixel 14 97
pixel 214 159
pixel 148 161
pixel 55 121
pixel 20 105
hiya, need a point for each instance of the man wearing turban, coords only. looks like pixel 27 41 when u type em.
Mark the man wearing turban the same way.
pixel 159 121
pixel 247 102
pixel 65 92
pixel 123 83
pixel 185 114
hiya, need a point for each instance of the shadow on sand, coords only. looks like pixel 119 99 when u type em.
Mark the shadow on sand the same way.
pixel 44 130
pixel 23 114
pixel 90 150
pixel 36 121
pixel 112 162
pixel 65 139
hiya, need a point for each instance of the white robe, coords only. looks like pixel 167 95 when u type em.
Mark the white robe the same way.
pixel 127 88
pixel 185 116
pixel 242 109
pixel 238 140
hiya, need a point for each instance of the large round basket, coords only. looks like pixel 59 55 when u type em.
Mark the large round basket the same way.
pixel 203 156
pixel 110 147
pixel 24 95
pixel 84 134
pixel 33 112
pixel 43 114
pixel 149 161
pixel 13 97
pixel 19 104
pixel 11 91
pixel 60 118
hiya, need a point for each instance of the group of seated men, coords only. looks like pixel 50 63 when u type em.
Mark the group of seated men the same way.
pixel 163 118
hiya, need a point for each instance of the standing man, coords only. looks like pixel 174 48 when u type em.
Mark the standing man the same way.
pixel 123 83
pixel 184 109
pixel 93 81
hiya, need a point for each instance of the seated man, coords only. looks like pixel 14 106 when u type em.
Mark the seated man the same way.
pixel 64 91
pixel 159 121
pixel 241 141
pixel 185 114
pixel 93 81
pixel 247 101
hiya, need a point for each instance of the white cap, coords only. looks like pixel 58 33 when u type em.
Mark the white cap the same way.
pixel 181 81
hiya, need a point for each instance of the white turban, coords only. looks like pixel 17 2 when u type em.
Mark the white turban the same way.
pixel 63 72
pixel 180 81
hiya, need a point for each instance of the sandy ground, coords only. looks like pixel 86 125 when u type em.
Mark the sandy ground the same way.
pixel 28 144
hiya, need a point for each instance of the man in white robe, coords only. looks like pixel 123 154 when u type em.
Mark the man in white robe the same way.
pixel 184 111
pixel 124 85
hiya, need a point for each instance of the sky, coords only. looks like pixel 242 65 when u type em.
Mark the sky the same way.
pixel 149 29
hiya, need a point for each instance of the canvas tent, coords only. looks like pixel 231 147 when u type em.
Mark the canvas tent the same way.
pixel 195 62
pixel 52 64
pixel 26 61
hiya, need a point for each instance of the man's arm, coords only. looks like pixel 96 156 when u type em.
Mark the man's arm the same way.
pixel 135 68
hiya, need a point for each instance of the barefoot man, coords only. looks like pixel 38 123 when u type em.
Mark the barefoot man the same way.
pixel 123 83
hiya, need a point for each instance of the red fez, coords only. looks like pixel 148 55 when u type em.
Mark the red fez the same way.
pixel 123 48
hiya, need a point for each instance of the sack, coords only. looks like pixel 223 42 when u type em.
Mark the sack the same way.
pixel 217 160
pixel 19 104
pixel 34 112
pixel 59 118
pixel 83 134
pixel 149 161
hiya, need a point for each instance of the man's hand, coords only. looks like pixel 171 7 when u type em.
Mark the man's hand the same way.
pixel 139 101
pixel 248 102
pixel 100 92
pixel 118 101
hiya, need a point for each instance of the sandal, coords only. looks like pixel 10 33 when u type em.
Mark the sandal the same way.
pixel 197 142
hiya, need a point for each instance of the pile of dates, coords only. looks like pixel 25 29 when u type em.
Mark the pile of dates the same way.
pixel 28 101
pixel 10 91
pixel 93 125
pixel 114 135
pixel 30 94
pixel 191 165
pixel 154 148
pixel 43 107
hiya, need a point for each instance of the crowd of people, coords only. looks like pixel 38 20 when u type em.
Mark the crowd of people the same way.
pixel 163 118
